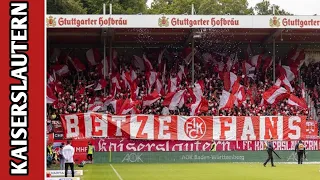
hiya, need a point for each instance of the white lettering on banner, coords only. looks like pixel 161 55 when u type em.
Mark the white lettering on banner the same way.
pixel 132 157
pixel 163 127
pixel 119 121
pixel 292 120
pixel 142 127
pixel 160 145
pixel 72 122
pixel 81 149
pixel 225 145
pixel 184 127
pixel 88 125
pixel 224 128
pixel 271 126
pixel 102 146
pixel 101 126
pixel 248 130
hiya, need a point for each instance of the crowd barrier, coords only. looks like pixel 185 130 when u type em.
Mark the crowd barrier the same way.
pixel 200 157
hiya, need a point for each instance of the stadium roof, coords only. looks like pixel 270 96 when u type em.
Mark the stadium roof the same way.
pixel 178 30
pixel 122 37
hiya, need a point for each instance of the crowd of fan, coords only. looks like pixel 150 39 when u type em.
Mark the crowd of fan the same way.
pixel 70 101
pixel 311 76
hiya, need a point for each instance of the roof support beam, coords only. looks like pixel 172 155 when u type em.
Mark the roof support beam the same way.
pixel 190 36
pixel 275 34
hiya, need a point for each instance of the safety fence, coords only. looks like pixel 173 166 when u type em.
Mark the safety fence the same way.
pixel 200 157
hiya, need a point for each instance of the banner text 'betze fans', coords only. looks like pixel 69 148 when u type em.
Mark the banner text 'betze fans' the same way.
pixel 201 128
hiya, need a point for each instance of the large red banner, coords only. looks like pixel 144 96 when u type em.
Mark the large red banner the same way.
pixel 127 145
pixel 187 128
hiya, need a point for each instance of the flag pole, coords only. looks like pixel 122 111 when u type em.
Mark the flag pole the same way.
pixel 274 50
pixel 110 50
pixel 192 48
pixel 104 53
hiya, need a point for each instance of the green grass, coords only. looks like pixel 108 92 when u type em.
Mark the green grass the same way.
pixel 219 171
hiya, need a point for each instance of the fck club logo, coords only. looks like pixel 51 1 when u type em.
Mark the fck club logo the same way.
pixel 310 127
pixel 195 127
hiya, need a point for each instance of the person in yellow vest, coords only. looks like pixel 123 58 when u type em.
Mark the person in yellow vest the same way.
pixel 213 146
pixel 49 154
pixel 90 152
pixel 300 150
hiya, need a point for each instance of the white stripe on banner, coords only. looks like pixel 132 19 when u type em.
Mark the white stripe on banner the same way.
pixel 57 173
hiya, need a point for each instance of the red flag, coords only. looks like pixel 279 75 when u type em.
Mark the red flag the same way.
pixel 275 94
pixel 147 63
pixel 77 64
pixel 93 57
pixel 101 85
pixel 295 101
pixel 173 99
pixel 227 100
pixel 151 98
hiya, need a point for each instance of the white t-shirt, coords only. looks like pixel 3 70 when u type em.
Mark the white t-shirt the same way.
pixel 68 152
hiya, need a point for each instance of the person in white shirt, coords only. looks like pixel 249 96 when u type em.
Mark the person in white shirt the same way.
pixel 68 152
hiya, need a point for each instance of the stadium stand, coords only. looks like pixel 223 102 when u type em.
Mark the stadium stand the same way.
pixel 148 84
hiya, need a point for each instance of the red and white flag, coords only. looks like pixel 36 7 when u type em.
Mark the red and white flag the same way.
pixel 51 98
pixel 266 63
pixel 151 79
pixel 107 64
pixel 256 60
pixel 125 76
pixel 101 85
pixel 173 84
pixel 275 94
pixel 187 54
pixel 296 56
pixel 227 100
pixel 93 57
pixel 51 78
pixel 282 80
pixel 138 63
pixel 289 71
pixel 115 78
pixel 158 85
pixel 296 101
pixel 147 63
pixel 126 107
pixel 161 62
pixel 182 72
pixel 134 91
pixel 117 104
pixel 240 94
pixel 151 98
pixel 229 80
pixel 173 99
pixel 196 94
pixel 77 64
pixel 61 70
pixel 133 75
pixel 94 108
